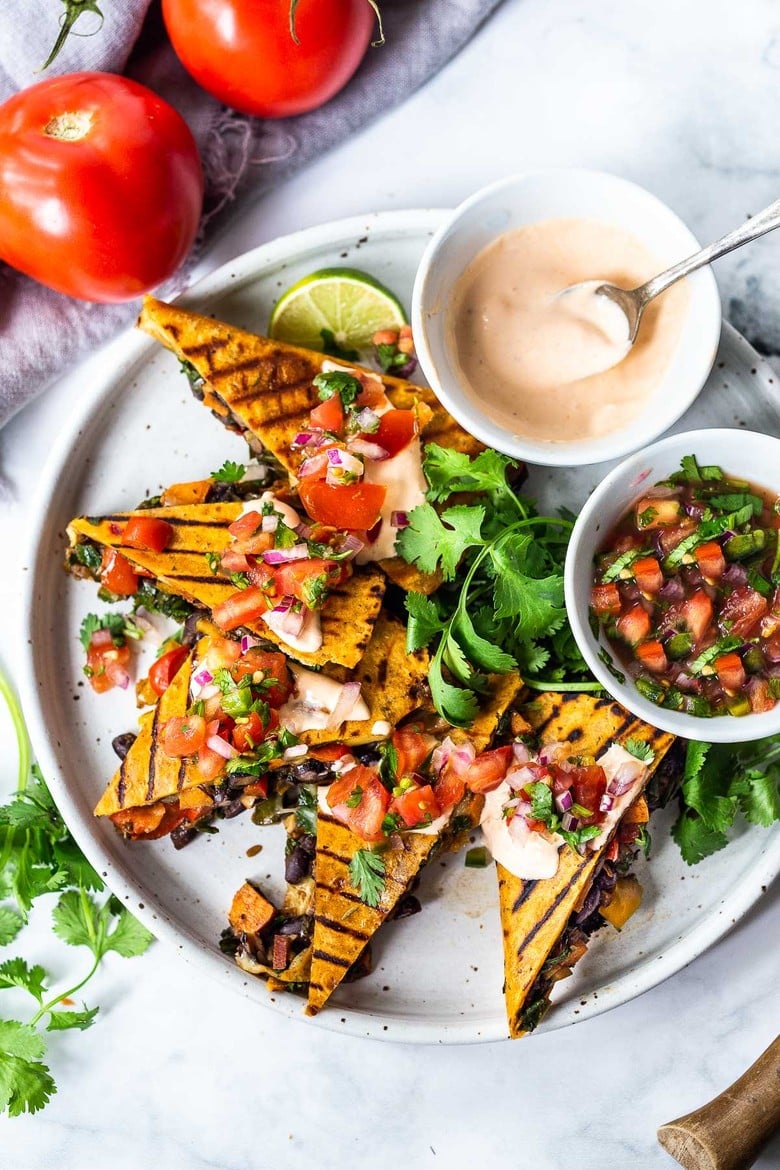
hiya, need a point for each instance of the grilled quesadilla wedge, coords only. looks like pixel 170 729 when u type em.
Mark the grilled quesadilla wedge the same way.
pixel 535 914
pixel 200 532
pixel 265 390
pixel 343 921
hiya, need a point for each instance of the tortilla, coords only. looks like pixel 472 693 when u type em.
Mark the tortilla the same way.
pixel 534 914
pixel 146 774
pixel 348 615
pixel 343 923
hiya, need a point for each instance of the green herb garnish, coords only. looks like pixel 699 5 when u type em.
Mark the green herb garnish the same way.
pixel 118 625
pixel 367 874
pixel 347 386
pixel 229 472
pixel 637 747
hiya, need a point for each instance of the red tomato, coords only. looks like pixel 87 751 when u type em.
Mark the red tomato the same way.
pixel 653 657
pixel 106 663
pixel 450 784
pixel 101 186
pixel 372 395
pixel 397 428
pixel 210 764
pixel 242 607
pixel 221 653
pixel 247 736
pixel 761 698
pixel 234 562
pixel 302 579
pixel 272 665
pixel 183 735
pixel 711 561
pixel 730 671
pixel 242 51
pixel 412 748
pixel 742 611
pixel 117 575
pixel 149 822
pixel 488 770
pixel 147 532
pixel 415 806
pixel 648 575
pixel 587 785
pixel 370 801
pixel 605 599
pixel 354 506
pixel 634 625
pixel 329 415
pixel 162 671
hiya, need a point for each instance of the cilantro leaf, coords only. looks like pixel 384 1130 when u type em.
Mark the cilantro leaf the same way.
pixel 75 920
pixel 367 875
pixel 449 471
pixel 695 840
pixel 430 541
pixel 637 747
pixel 480 651
pixel 229 472
pixel 347 386
pixel 758 796
pixel 424 621
pixel 458 706
pixel 129 938
pixel 118 625
pixel 10 925
pixel 306 811
pixel 25 1083
pixel 61 1021
pixel 16 973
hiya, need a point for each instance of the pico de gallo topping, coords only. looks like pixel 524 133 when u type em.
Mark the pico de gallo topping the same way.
pixel 353 454
pixel 106 641
pixel 687 590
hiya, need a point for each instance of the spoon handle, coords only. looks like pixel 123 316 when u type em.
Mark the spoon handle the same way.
pixel 765 221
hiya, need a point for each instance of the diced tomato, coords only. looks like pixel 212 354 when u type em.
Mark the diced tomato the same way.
pixel 234 562
pixel 162 671
pixel 589 783
pixel 412 748
pixel 648 575
pixel 711 561
pixel 605 600
pixel 450 784
pixel 329 415
pixel 634 625
pixel 669 538
pixel 730 671
pixel 117 575
pixel 307 580
pixel 760 696
pixel 654 513
pixel 210 764
pixel 653 657
pixel 397 428
pixel 697 614
pixel 248 535
pixel 351 506
pixel 147 532
pixel 247 735
pixel 183 735
pixel 372 394
pixel 220 653
pixel 152 821
pixel 742 611
pixel 270 664
pixel 194 492
pixel 256 788
pixel 360 800
pixel 240 608
pixel 415 806
pixel 106 663
pixel 488 769
pixel 262 575
pixel 246 525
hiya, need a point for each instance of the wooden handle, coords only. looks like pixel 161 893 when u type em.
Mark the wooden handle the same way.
pixel 729 1132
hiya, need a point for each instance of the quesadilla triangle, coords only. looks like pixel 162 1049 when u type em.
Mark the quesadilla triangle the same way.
pixel 264 389
pixel 343 923
pixel 541 941
pixel 200 533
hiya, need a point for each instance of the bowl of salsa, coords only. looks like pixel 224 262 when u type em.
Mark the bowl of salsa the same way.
pixel 673 584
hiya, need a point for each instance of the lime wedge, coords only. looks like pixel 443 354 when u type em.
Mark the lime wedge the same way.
pixel 349 304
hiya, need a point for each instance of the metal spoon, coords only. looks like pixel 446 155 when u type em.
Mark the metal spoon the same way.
pixel 634 301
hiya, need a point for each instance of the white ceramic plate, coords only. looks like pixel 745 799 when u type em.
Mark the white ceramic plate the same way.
pixel 438 975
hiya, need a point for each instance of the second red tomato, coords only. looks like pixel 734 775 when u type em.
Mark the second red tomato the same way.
pixel 242 51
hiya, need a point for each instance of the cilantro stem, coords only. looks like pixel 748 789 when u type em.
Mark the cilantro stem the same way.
pixel 541 684
pixel 22 739
pixel 55 999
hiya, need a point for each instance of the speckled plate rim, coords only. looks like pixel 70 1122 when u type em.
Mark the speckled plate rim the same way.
pixel 126 356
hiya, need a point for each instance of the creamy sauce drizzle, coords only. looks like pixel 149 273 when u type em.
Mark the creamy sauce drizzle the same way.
pixel 403 477
pixel 314 701
pixel 543 365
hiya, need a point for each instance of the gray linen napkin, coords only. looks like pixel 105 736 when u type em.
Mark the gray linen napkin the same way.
pixel 43 332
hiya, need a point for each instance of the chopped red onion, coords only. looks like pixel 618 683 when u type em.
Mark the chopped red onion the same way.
pixel 735 575
pixel 351 544
pixel 367 420
pixel 606 803
pixel 369 450
pixel 119 677
pixel 373 533
pixel 520 777
pixel 350 693
pixel 626 775
pixel 203 678
pixel 216 743
pixel 292 616
pixel 343 467
pixel 569 822
pixel 399 519
pixel 296 751
pixel 313 465
pixel 270 523
pixel 564 801
pixel 441 755
pixel 312 438
pixel 247 642
pixel 343 764
pixel 672 590
pixel 282 556
pixel 549 752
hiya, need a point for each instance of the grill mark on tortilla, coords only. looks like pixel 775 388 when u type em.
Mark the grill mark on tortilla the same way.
pixel 121 787
pixel 528 938
pixel 205 348
pixel 343 928
pixel 178 522
pixel 336 960
pixel 334 856
pixel 382 669
pixel 525 893
pixel 182 774
pixel 153 754
pixel 576 734
pixel 341 893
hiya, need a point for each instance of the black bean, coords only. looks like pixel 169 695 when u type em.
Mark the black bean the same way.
pixel 368 756
pixel 308 771
pixel 300 925
pixel 190 633
pixel 122 743
pixel 407 906
pixel 182 835
pixel 297 865
pixel 232 809
pixel 308 842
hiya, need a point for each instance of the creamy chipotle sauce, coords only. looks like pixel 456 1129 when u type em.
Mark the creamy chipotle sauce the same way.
pixel 558 367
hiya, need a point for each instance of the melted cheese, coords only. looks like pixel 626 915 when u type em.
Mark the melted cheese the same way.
pixel 403 477
pixel 314 702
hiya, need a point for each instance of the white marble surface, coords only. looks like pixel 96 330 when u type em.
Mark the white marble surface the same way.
pixel 682 98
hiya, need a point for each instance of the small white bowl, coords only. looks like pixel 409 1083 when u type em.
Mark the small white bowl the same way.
pixel 742 454
pixel 524 199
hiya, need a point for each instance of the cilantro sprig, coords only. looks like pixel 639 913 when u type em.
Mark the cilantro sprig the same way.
pixel 542 809
pixel 229 472
pixel 119 625
pixel 508 613
pixel 719 782
pixel 367 874
pixel 38 856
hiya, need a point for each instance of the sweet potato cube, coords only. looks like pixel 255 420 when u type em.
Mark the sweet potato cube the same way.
pixel 250 912
pixel 626 899
pixel 638 813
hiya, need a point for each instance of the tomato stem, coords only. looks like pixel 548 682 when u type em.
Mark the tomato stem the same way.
pixel 69 127
pixel 294 5
pixel 74 9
